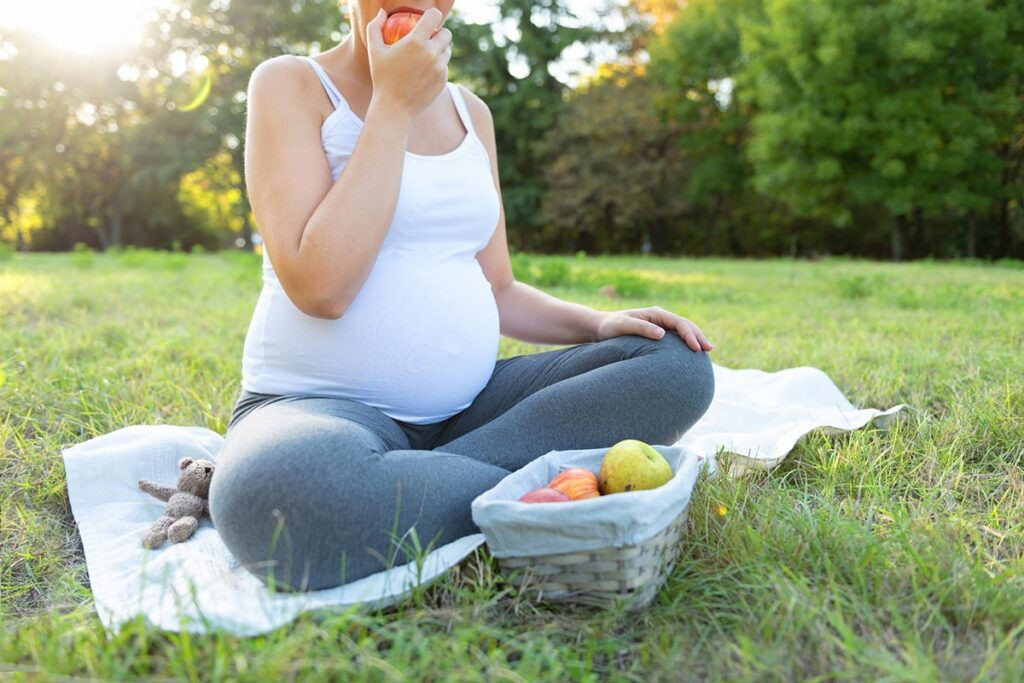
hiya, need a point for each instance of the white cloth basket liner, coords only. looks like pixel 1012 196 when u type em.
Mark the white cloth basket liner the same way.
pixel 515 529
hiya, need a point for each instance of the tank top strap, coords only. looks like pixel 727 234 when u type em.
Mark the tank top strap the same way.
pixel 460 106
pixel 336 99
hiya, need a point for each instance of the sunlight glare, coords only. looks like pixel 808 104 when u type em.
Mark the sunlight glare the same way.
pixel 82 26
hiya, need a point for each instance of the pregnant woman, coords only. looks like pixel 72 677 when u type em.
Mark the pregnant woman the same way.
pixel 373 408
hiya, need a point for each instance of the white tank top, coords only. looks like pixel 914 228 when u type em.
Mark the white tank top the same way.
pixel 420 339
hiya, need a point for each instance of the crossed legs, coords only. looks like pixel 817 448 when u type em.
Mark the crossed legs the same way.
pixel 318 491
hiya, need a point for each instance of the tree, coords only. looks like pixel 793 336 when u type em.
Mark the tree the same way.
pixel 901 104
pixel 613 168
pixel 695 62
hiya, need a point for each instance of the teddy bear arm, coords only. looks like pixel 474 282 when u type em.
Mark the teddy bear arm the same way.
pixel 159 491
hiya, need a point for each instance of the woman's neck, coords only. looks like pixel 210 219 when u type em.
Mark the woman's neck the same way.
pixel 356 61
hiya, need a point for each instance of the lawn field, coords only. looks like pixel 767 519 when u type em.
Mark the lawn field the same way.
pixel 879 554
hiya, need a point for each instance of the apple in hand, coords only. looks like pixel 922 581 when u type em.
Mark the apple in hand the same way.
pixel 544 495
pixel 399 24
pixel 576 482
pixel 632 465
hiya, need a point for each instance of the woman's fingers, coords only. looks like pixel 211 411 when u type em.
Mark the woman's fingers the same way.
pixel 690 338
pixel 428 23
pixel 687 330
pixel 695 339
pixel 443 36
pixel 704 343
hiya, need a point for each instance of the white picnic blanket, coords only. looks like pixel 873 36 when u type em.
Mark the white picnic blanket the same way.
pixel 198 586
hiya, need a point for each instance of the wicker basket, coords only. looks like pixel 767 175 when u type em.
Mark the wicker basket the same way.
pixel 629 576
pixel 615 549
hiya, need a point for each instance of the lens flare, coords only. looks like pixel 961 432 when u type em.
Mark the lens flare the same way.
pixel 202 94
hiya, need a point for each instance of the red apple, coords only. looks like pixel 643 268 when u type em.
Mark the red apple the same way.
pixel 399 24
pixel 544 495
pixel 576 482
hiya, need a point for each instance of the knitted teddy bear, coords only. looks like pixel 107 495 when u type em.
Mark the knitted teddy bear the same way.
pixel 185 504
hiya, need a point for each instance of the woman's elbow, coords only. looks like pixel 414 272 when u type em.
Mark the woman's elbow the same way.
pixel 328 310
pixel 316 307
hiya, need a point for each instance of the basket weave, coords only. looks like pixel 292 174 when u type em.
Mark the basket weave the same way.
pixel 629 575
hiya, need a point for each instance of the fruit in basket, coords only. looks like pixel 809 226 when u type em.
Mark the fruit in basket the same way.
pixel 632 465
pixel 397 25
pixel 544 495
pixel 578 483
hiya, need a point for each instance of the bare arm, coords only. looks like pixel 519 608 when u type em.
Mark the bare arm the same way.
pixel 323 236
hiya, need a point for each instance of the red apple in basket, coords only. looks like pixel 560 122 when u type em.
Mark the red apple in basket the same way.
pixel 544 495
pixel 576 482
pixel 399 22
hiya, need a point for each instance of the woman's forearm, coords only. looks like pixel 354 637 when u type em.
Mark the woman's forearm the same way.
pixel 533 316
pixel 343 236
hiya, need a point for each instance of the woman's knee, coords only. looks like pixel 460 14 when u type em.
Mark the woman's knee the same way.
pixel 684 373
pixel 278 490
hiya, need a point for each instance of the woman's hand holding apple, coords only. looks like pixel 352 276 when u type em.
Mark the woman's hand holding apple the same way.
pixel 409 75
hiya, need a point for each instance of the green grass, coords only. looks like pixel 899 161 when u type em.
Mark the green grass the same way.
pixel 876 554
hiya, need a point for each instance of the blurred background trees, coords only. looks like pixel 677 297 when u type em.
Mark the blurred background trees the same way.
pixel 882 128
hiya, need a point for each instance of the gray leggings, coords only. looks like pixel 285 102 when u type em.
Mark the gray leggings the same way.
pixel 312 492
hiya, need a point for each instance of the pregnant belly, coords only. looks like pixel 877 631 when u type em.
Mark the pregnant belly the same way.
pixel 420 338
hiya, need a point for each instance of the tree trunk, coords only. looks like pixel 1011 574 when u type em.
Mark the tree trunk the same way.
pixel 919 238
pixel 22 245
pixel 1003 240
pixel 896 237
pixel 116 219
pixel 972 235
pixel 101 234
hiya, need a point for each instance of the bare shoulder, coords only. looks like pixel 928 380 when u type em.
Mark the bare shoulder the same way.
pixel 479 112
pixel 280 71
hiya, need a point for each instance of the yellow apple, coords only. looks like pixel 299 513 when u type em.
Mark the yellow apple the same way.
pixel 632 465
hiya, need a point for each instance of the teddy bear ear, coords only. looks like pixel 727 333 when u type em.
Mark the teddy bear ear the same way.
pixel 184 462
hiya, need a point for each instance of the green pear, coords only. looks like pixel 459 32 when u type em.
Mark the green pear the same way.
pixel 632 465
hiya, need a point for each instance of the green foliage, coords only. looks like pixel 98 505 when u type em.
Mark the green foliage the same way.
pixel 553 272
pixel 611 282
pixel 212 198
pixel 760 127
pixel 613 170
pixel 581 275
pixel 692 62
pixel 522 266
pixel 131 257
pixel 859 104
pixel 842 110
pixel 6 252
